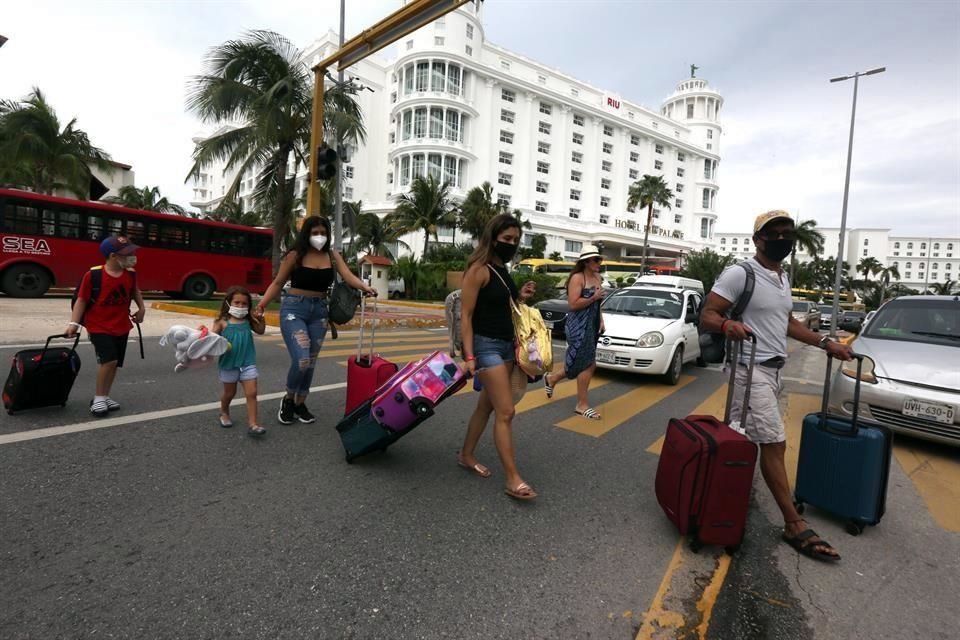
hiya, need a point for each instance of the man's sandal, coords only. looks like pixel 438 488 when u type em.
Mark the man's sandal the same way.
pixel 590 413
pixel 522 491
pixel 816 549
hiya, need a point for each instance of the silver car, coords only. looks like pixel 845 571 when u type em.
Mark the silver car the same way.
pixel 911 374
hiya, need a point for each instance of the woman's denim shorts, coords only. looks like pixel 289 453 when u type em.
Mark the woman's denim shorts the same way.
pixel 492 352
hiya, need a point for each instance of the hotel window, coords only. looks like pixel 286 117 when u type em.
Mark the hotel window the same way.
pixel 680 172
pixel 657 164
pixel 907 275
pixel 689 110
pixel 578 138
pixel 605 183
pixel 506 116
pixel 706 199
pixel 575 176
pixel 503 200
pixel 604 201
pixel 681 157
pixel 546 108
pixel 504 179
pixel 420 123
pixel 709 134
pixel 423 76
pixel 418 165
pixel 541 206
pixel 635 140
pixel 678 203
pixel 508 96
pixel 544 127
pixel 574 194
pixel 453 79
pixel 656 125
pixel 575 214
pixel 542 187
pixel 658 148
pixel 505 65
pixel 543 167
pixel 896 245
pixel 470 31
pixel 866 242
pixel 709 146
pixel 578 119
pixel 704 227
pixel 577 157
pixel 543 147
pixel 634 174
pixel 438 41
pixel 678 219
pixel 506 158
pixel 909 245
pixel 607 130
pixel 393 97
pixel 506 136
pixel 572 246
pixel 722 240
pixel 348 193
pixel 434 165
pixel 607 147
pixel 468 50
pixel 393 137
pixel 679 188
pixel 436 122
pixel 606 165
pixel 438 79
pixel 404 170
pixel 390 177
pixel 541 79
pixel 734 241
pixel 348 171
pixel 896 253
pixel 634 156
pixel 409 45
pixel 604 218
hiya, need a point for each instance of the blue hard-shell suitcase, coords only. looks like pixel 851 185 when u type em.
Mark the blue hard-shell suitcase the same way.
pixel 844 463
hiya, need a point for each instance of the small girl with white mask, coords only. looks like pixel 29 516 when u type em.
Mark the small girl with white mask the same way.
pixel 237 323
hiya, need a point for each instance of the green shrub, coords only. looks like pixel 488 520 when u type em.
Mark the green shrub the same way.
pixel 546 286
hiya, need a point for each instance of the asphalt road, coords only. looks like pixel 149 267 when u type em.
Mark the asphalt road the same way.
pixel 161 524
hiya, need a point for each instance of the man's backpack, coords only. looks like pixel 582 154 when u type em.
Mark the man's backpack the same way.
pixel 96 283
pixel 713 346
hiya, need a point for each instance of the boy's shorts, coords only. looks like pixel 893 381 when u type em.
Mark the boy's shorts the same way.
pixel 241 374
pixel 109 348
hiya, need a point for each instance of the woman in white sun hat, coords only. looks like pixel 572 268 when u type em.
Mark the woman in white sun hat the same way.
pixel 583 324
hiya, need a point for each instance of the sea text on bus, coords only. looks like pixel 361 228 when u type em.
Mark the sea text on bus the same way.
pixel 29 246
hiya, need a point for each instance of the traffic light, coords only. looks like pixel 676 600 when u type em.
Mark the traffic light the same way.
pixel 326 162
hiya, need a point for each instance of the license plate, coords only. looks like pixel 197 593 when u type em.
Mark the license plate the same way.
pixel 931 411
pixel 606 356
pixel 548 323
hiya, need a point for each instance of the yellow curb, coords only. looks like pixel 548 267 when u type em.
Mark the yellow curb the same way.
pixel 272 318
pixel 414 305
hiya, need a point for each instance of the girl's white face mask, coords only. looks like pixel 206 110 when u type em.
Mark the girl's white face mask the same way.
pixel 238 312
pixel 318 242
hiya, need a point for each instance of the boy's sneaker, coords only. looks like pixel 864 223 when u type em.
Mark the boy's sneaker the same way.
pixel 303 414
pixel 99 408
pixel 112 405
pixel 286 414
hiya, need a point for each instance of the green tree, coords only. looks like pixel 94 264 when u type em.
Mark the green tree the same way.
pixel 376 235
pixel 407 268
pixel 943 288
pixel 264 82
pixel 869 266
pixel 645 193
pixel 887 274
pixel 538 244
pixel 146 198
pixel 39 154
pixel 426 207
pixel 809 240
pixel 705 266
pixel 516 213
pixel 556 256
pixel 477 209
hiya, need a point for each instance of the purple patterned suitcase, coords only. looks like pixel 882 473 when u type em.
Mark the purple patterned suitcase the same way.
pixel 411 396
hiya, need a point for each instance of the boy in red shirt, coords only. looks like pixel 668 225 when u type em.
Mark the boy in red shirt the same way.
pixel 107 317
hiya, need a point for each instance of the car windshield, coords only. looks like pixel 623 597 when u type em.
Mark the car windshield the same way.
pixel 801 306
pixel 826 309
pixel 654 303
pixel 930 321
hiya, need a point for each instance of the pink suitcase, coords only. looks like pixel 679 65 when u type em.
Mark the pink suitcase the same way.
pixel 411 396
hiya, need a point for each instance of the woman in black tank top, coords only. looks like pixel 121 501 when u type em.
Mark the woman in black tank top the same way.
pixel 488 347
pixel 310 268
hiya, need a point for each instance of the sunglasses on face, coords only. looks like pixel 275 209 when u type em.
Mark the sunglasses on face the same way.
pixel 597 260
pixel 789 234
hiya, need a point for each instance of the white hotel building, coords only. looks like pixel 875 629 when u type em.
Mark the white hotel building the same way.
pixel 563 152
pixel 921 261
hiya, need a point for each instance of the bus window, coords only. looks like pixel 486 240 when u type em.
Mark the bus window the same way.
pixel 114 226
pixel 94 228
pixel 135 231
pixel 558 268
pixel 48 223
pixel 21 219
pixel 153 234
pixel 199 239
pixel 171 237
pixel 68 224
pixel 523 268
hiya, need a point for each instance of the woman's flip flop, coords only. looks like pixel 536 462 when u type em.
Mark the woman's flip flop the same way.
pixel 590 413
pixel 522 491
pixel 547 386
pixel 477 469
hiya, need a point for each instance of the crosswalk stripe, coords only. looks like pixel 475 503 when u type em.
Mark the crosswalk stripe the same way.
pixel 537 398
pixel 712 406
pixel 622 408
pixel 418 349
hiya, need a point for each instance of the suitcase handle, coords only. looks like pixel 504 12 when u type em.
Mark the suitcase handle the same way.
pixel 46 345
pixel 373 328
pixel 854 427
pixel 734 363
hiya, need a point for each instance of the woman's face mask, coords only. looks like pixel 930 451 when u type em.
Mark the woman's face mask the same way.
pixel 318 242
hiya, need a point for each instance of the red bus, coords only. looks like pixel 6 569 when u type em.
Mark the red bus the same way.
pixel 47 241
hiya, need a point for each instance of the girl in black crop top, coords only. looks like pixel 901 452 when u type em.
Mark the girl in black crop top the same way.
pixel 488 347
pixel 303 312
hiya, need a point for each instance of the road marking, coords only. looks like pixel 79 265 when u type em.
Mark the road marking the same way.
pixel 712 406
pixel 937 478
pixel 622 408
pixel 49 432
pixel 709 598
pixel 536 397
pixel 798 406
pixel 659 617
pixel 423 347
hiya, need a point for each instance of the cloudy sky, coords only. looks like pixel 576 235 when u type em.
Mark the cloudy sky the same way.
pixel 121 69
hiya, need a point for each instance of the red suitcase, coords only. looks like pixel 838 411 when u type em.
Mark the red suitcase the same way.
pixel 366 372
pixel 705 475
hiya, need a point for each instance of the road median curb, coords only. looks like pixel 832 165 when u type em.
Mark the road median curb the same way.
pixel 272 318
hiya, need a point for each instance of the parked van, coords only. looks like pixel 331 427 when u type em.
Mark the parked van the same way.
pixel 671 282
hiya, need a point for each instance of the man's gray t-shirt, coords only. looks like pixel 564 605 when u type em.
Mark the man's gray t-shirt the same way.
pixel 768 310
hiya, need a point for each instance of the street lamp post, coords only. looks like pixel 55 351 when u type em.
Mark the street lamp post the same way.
pixel 846 194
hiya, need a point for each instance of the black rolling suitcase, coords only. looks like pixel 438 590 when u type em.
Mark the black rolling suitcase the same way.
pixel 41 377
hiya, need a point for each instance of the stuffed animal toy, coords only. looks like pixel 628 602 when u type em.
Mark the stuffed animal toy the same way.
pixel 194 346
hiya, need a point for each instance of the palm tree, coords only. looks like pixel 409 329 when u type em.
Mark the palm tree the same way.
pixel 885 275
pixel 556 256
pixel 706 266
pixel 809 240
pixel 232 211
pixel 477 209
pixel 869 266
pixel 524 224
pixel 376 234
pixel 38 154
pixel 147 199
pixel 426 207
pixel 646 192
pixel 264 82
pixel 943 288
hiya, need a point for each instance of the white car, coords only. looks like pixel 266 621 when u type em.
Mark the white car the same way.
pixel 650 330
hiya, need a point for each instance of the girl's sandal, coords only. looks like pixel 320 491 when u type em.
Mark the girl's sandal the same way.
pixel 225 421
pixel 256 431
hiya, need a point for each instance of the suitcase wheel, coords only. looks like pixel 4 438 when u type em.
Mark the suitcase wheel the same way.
pixel 695 544
pixel 378 412
pixel 349 459
pixel 854 527
pixel 398 397
pixel 732 549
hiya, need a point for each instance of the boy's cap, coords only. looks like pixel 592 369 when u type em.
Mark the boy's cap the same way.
pixel 118 245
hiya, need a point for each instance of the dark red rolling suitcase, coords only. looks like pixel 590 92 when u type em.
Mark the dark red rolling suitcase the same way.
pixel 365 372
pixel 705 474
pixel 41 377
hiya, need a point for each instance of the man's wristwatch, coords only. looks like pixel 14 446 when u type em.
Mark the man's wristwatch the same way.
pixel 824 341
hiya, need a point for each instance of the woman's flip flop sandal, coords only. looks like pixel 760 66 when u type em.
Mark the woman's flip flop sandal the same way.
pixel 477 469
pixel 547 386
pixel 590 413
pixel 522 491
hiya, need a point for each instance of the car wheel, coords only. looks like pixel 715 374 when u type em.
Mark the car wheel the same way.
pixel 672 376
pixel 394 295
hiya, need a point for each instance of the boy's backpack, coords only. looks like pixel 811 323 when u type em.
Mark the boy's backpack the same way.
pixel 451 311
pixel 713 346
pixel 96 283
